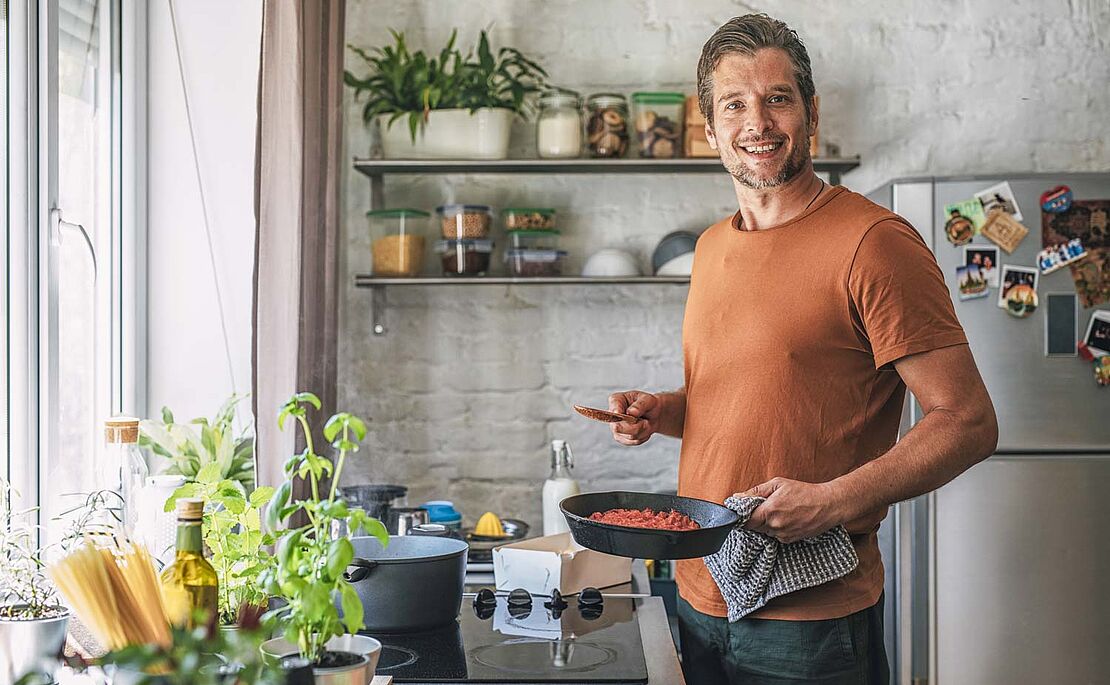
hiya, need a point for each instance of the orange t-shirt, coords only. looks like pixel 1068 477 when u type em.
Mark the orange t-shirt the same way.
pixel 788 340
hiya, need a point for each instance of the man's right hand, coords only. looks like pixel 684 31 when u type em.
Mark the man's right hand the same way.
pixel 640 404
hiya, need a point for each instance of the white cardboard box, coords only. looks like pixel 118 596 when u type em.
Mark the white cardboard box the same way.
pixel 541 565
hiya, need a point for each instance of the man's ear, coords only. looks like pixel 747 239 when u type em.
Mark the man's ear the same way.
pixel 814 103
pixel 709 136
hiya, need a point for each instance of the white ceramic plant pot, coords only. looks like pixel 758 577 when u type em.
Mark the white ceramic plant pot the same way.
pixel 30 645
pixel 361 673
pixel 449 134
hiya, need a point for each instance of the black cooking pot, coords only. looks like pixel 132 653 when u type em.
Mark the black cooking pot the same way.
pixel 416 583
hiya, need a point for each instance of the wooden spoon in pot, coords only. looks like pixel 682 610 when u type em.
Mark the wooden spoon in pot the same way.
pixel 604 415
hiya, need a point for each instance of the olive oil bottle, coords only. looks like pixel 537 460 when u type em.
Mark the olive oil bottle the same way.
pixel 189 583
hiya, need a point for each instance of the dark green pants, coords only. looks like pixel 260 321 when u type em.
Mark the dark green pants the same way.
pixel 840 651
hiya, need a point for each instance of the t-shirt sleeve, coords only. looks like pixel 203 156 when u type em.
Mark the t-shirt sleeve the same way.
pixel 900 303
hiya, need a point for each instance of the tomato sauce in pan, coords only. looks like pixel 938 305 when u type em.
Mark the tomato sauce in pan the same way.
pixel 646 518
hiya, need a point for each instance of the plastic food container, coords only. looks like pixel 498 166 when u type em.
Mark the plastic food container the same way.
pixel 525 263
pixel 607 125
pixel 533 240
pixel 397 241
pixel 464 257
pixel 465 222
pixel 658 121
pixel 528 218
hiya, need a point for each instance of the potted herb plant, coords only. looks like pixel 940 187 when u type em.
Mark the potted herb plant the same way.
pixel 232 532
pixel 322 610
pixel 455 106
pixel 190 447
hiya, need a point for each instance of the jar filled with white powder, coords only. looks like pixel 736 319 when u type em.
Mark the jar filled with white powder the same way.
pixel 559 128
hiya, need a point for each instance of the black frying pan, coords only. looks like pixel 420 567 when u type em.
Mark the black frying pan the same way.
pixel 716 522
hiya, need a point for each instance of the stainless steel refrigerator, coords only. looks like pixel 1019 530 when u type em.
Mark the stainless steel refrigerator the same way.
pixel 1003 575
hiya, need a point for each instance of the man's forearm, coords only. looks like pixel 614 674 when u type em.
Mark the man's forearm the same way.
pixel 940 447
pixel 672 415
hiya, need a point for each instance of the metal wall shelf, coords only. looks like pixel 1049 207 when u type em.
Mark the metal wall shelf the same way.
pixel 833 166
pixel 377 286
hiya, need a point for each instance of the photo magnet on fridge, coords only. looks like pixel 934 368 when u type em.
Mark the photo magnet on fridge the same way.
pixel 999 196
pixel 1003 230
pixel 962 221
pixel 1058 256
pixel 1097 338
pixel 986 258
pixel 971 282
pixel 1018 292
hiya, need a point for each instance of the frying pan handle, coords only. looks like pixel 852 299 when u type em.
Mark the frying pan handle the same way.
pixel 362 569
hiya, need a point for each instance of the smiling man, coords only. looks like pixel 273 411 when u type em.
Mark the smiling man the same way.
pixel 811 310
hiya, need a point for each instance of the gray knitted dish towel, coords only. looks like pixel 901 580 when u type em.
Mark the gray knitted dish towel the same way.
pixel 751 568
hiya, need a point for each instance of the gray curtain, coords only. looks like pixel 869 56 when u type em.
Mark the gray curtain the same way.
pixel 297 181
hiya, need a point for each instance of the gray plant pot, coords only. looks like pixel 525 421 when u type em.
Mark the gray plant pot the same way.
pixel 356 674
pixel 30 645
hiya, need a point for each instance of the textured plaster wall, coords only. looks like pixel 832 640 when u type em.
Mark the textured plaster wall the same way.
pixel 471 383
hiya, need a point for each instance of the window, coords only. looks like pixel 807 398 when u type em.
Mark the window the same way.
pixel 65 363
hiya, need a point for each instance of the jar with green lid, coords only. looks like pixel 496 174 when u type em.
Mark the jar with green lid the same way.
pixel 607 125
pixel 397 241
pixel 658 119
pixel 528 218
pixel 533 240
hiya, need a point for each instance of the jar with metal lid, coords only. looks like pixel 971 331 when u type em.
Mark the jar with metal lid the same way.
pixel 559 126
pixel 607 125
pixel 658 120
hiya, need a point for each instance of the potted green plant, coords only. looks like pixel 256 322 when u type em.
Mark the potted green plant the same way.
pixel 455 106
pixel 190 447
pixel 232 531
pixel 322 610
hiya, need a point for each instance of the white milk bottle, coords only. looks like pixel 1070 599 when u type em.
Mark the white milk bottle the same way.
pixel 558 486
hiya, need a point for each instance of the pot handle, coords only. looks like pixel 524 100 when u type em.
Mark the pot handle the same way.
pixel 362 569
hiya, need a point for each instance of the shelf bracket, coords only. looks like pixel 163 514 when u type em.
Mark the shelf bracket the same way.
pixel 377 309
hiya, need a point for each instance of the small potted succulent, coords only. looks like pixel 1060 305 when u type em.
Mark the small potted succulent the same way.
pixel 455 106
pixel 322 611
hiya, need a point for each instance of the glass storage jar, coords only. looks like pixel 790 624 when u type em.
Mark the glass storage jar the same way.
pixel 528 218
pixel 397 241
pixel 533 240
pixel 464 257
pixel 559 125
pixel 465 222
pixel 607 125
pixel 530 263
pixel 658 121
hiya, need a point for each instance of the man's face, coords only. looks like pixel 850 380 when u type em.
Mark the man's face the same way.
pixel 759 119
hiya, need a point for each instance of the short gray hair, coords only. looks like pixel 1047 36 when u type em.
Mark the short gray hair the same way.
pixel 745 35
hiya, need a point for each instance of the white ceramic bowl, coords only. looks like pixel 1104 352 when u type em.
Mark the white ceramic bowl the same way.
pixel 611 263
pixel 681 265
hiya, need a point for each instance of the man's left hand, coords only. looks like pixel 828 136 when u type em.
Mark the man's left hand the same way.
pixel 794 510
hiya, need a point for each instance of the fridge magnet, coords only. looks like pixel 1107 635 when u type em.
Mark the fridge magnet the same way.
pixel 999 196
pixel 1097 338
pixel 1092 278
pixel 964 220
pixel 1088 220
pixel 986 258
pixel 1057 200
pixel 1057 257
pixel 1018 291
pixel 1102 371
pixel 1003 230
pixel 971 282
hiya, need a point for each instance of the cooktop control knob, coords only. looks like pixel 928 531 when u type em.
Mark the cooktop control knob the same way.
pixel 590 597
pixel 556 603
pixel 519 598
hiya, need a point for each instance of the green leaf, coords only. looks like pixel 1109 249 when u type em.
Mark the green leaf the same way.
pixel 261 496
pixel 167 415
pixel 352 608
pixel 340 553
pixel 210 473
pixel 308 397
pixel 277 503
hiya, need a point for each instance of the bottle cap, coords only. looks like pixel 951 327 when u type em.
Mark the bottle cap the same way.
pixel 190 509
pixel 121 429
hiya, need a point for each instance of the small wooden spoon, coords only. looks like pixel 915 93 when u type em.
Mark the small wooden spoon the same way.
pixel 604 415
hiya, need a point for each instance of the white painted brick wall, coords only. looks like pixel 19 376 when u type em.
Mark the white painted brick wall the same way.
pixel 470 384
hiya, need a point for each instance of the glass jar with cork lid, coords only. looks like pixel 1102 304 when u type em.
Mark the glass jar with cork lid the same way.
pixel 125 468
